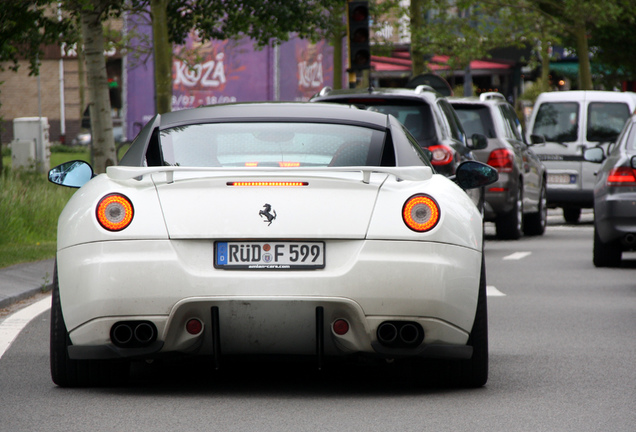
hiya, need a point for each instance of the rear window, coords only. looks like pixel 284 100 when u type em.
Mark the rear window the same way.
pixel 418 119
pixel 475 120
pixel 558 121
pixel 271 145
pixel 605 121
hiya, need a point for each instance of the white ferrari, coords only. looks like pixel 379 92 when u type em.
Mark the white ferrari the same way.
pixel 269 228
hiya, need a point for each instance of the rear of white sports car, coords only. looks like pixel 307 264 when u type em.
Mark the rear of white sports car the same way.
pixel 238 258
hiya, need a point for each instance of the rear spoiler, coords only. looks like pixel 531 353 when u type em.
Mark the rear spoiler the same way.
pixel 416 173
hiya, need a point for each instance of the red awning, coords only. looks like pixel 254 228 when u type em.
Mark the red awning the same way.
pixel 402 62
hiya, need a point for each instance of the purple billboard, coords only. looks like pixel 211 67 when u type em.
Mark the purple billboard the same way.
pixel 213 72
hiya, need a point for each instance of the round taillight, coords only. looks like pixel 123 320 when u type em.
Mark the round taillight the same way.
pixel 442 155
pixel 194 326
pixel 420 213
pixel 340 327
pixel 114 212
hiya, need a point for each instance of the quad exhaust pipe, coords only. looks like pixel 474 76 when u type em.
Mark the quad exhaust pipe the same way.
pixel 400 334
pixel 133 334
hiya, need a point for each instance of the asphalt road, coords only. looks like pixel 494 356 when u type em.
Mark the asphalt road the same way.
pixel 562 350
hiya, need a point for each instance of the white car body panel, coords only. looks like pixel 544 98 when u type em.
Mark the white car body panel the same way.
pixel 376 268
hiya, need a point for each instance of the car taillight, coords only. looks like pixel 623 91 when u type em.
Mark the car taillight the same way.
pixel 114 212
pixel 501 160
pixel 621 176
pixel 442 155
pixel 420 213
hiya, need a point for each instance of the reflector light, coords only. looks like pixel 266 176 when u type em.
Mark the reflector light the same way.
pixel 194 326
pixel 288 164
pixel 501 160
pixel 267 183
pixel 420 213
pixel 621 176
pixel 114 212
pixel 340 327
pixel 442 155
pixel 497 189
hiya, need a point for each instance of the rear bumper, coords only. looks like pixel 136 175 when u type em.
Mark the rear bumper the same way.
pixel 269 312
pixel 558 197
pixel 615 218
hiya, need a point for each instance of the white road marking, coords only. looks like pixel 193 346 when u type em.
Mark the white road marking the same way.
pixel 11 327
pixel 491 291
pixel 517 255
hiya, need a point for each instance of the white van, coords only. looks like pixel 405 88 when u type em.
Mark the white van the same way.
pixel 565 124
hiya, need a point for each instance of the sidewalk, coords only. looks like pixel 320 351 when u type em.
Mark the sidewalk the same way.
pixel 25 280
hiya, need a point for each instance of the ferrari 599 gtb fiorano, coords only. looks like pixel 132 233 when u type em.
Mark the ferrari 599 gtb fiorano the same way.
pixel 291 229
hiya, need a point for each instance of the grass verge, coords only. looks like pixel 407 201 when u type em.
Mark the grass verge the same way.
pixel 29 209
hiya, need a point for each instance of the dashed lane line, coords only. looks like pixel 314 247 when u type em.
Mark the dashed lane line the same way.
pixel 517 256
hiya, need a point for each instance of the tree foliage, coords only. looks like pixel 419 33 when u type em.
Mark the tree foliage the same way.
pixel 27 26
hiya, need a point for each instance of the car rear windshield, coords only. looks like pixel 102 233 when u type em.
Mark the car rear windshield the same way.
pixel 558 121
pixel 418 118
pixel 271 145
pixel 606 120
pixel 475 119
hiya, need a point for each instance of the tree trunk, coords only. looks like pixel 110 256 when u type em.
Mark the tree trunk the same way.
pixel 103 143
pixel 417 51
pixel 582 51
pixel 162 49
pixel 336 42
pixel 545 65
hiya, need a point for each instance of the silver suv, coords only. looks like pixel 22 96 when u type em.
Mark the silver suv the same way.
pixel 567 123
pixel 516 203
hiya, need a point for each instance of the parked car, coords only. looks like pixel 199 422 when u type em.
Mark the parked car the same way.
pixel 614 198
pixel 566 124
pixel 85 138
pixel 288 229
pixel 517 202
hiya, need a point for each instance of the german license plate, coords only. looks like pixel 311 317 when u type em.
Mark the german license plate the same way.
pixel 234 255
pixel 562 178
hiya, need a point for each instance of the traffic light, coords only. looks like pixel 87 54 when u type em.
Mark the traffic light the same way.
pixel 359 50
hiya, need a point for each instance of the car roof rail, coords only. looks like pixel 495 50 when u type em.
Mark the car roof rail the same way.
pixel 325 91
pixel 422 88
pixel 491 95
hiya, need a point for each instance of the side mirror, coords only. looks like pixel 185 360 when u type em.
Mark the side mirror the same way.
pixel 72 174
pixel 633 162
pixel 478 142
pixel 594 154
pixel 473 174
pixel 537 139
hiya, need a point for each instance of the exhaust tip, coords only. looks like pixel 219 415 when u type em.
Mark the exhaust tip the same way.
pixel 133 334
pixel 400 334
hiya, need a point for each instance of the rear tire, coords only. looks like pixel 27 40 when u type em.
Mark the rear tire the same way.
pixel 508 225
pixel 474 372
pixel 571 214
pixel 471 373
pixel 66 372
pixel 606 254
pixel 534 223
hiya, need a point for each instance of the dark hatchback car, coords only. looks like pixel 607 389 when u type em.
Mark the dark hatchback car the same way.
pixel 427 115
pixel 615 198
pixel 517 203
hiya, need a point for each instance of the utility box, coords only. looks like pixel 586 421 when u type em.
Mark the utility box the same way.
pixel 31 132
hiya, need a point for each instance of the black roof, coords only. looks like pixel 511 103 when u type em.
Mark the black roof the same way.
pixel 274 111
